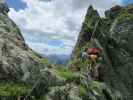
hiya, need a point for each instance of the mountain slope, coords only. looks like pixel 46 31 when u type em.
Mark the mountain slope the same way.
pixel 17 61
pixel 58 59
pixel 113 35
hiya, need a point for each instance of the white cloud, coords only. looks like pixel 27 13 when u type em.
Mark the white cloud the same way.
pixel 47 49
pixel 58 19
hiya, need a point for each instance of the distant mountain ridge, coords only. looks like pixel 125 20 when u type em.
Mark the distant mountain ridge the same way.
pixel 58 59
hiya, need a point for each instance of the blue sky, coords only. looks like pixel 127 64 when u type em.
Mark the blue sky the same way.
pixel 16 4
pixel 52 26
pixel 125 2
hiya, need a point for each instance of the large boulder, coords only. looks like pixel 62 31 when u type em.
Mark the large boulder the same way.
pixel 66 92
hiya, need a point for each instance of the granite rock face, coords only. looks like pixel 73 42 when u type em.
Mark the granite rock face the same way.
pixel 119 50
pixel 17 61
pixel 113 34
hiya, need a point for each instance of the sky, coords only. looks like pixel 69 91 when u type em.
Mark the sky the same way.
pixel 52 26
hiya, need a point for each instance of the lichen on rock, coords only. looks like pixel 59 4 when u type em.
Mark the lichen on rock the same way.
pixel 113 35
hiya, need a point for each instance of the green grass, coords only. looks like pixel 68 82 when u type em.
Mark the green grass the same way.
pixel 125 14
pixel 43 98
pixel 67 74
pixel 44 61
pixel 82 90
pixel 14 89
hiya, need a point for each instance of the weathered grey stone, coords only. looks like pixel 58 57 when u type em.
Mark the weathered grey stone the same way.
pixel 3 7
pixel 114 36
pixel 66 92
pixel 119 50
pixel 17 61
pixel 113 12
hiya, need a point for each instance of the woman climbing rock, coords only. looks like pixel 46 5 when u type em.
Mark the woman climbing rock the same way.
pixel 94 58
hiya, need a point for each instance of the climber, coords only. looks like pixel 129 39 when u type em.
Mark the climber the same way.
pixel 83 55
pixel 94 56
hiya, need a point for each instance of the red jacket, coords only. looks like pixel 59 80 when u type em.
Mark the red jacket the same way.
pixel 96 51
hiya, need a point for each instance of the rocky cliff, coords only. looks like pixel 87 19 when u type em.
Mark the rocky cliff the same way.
pixel 113 34
pixel 17 61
